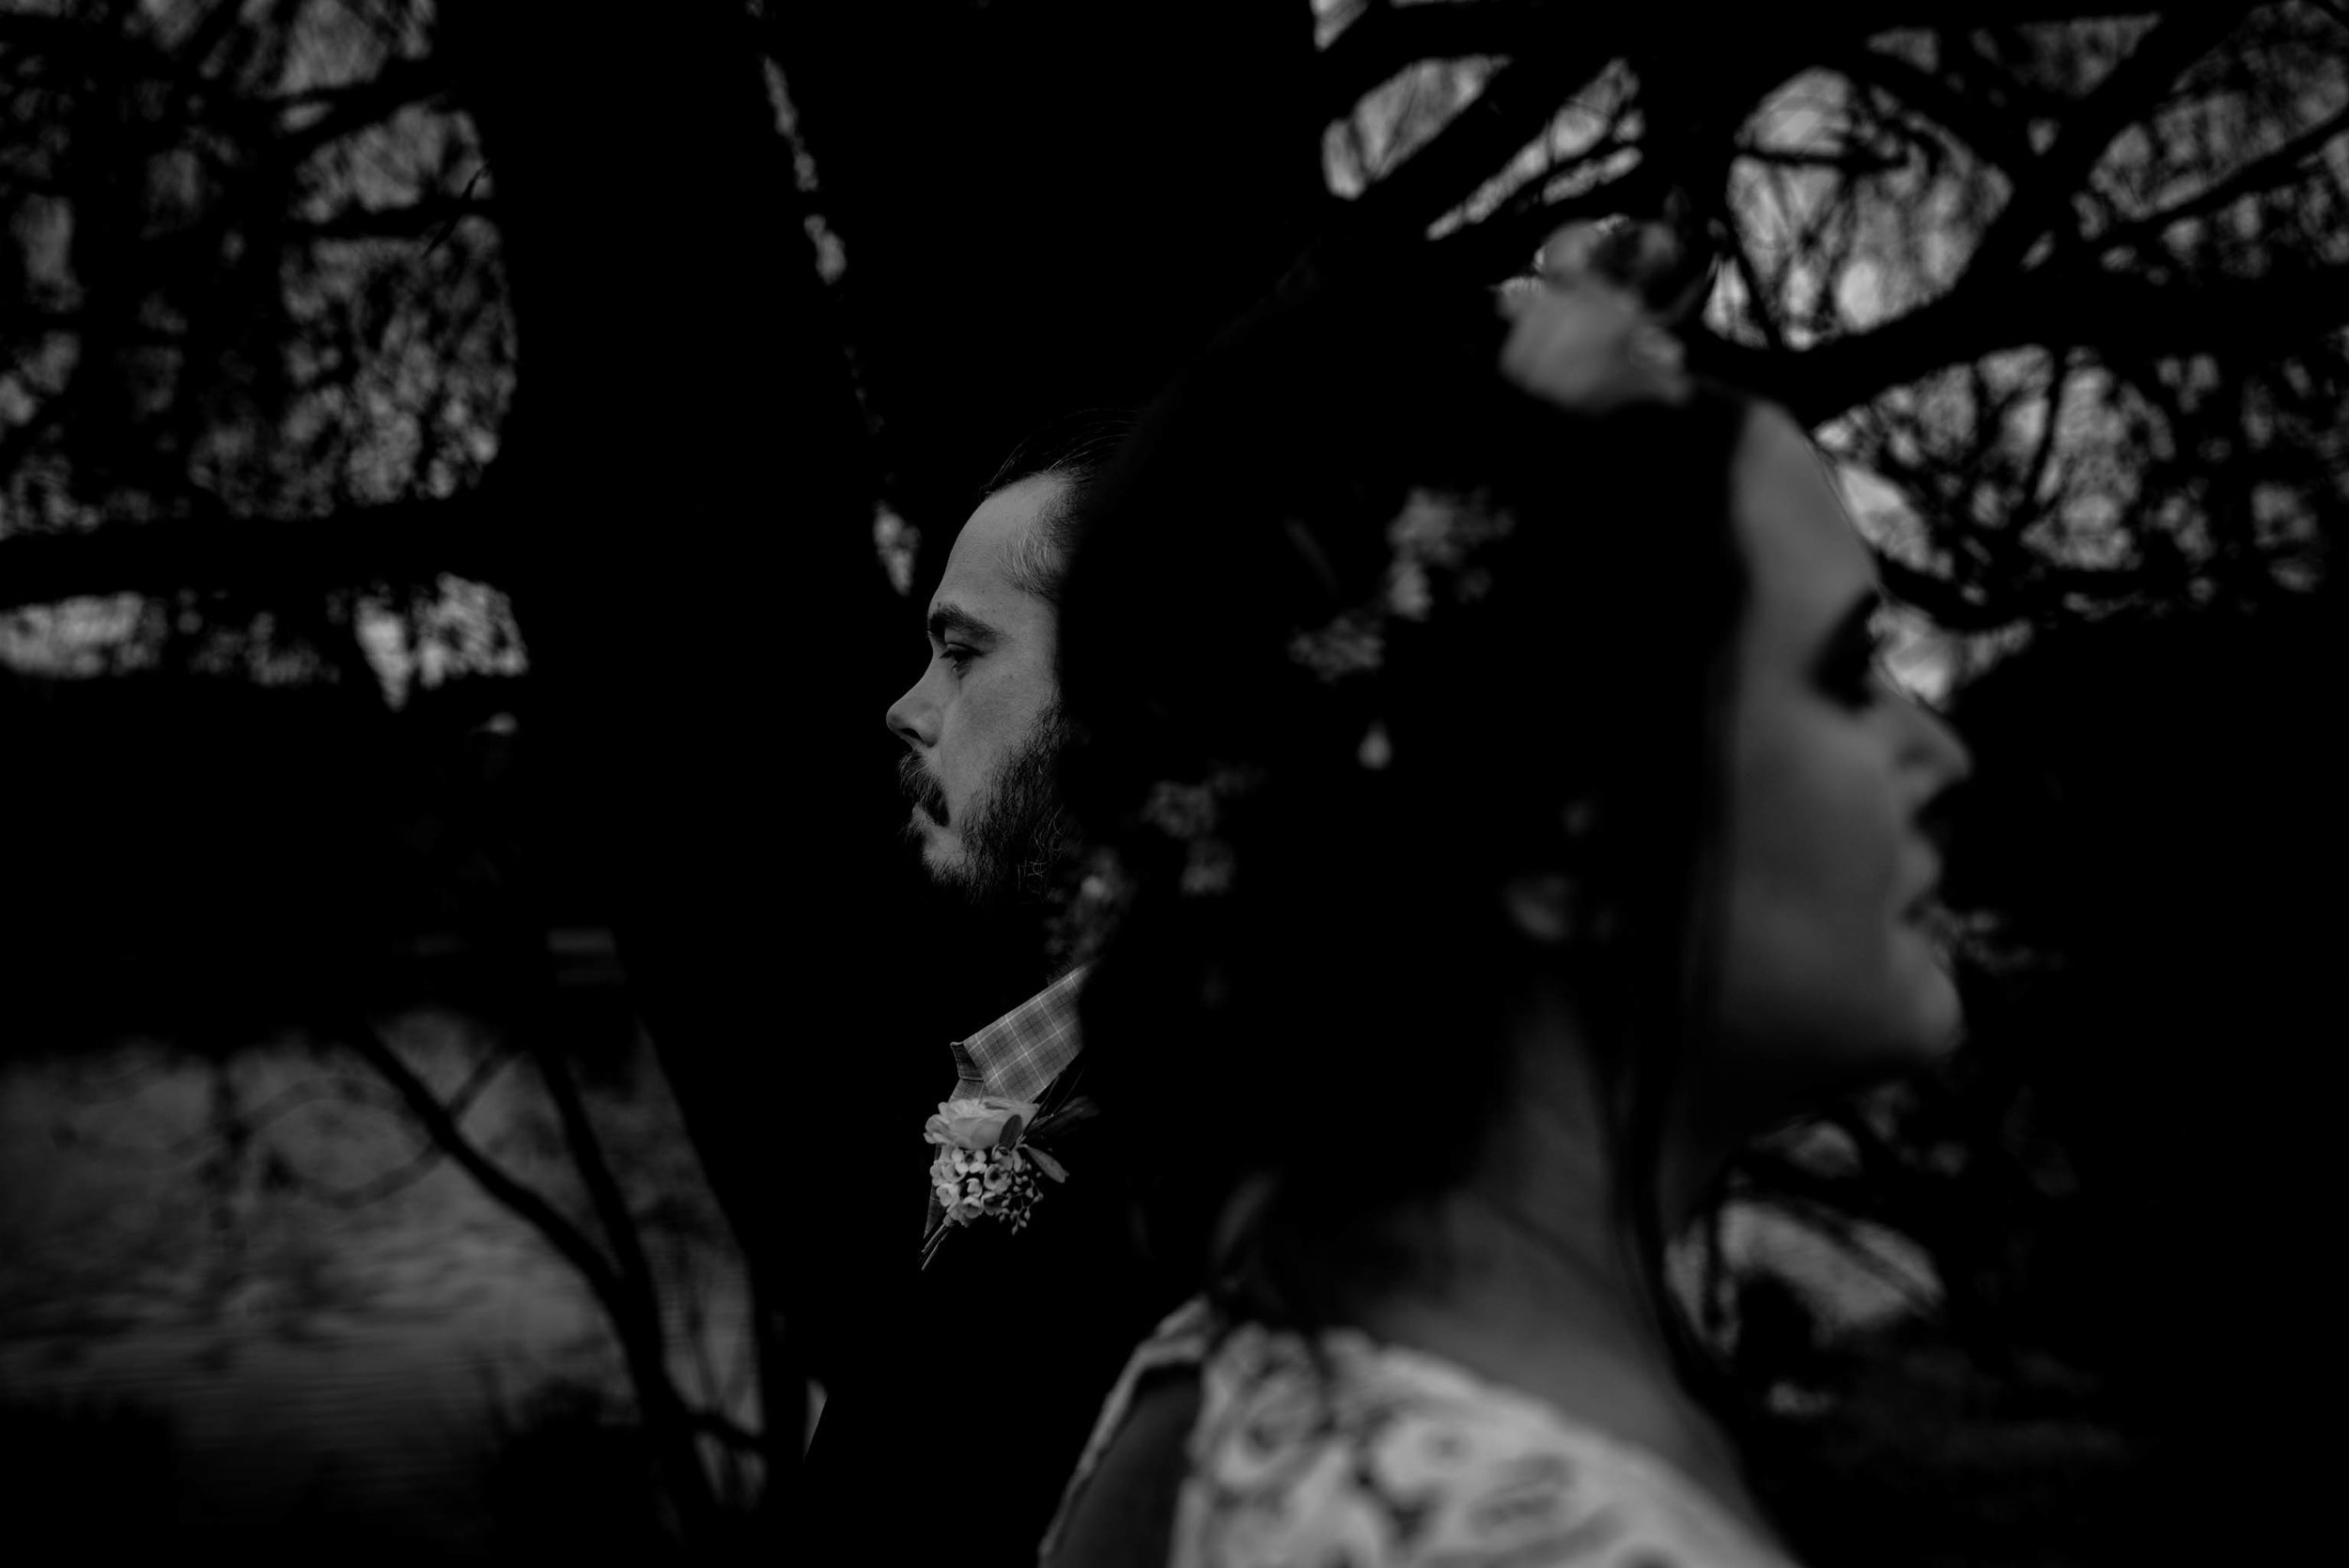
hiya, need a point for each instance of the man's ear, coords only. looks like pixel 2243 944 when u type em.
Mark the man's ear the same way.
pixel 1542 905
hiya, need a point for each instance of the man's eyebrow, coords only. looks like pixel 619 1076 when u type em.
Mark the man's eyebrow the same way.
pixel 953 617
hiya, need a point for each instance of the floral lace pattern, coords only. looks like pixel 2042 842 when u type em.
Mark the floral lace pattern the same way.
pixel 1340 1453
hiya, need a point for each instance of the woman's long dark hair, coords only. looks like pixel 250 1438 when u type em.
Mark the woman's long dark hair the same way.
pixel 1352 626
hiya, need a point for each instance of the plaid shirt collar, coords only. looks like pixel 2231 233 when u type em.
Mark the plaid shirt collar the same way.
pixel 1018 1054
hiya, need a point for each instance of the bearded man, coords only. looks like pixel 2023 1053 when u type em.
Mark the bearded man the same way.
pixel 983 733
pixel 1018 1300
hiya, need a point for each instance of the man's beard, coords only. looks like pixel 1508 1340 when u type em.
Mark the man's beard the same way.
pixel 1017 839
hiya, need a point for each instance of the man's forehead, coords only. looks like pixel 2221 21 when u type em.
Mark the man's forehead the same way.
pixel 979 566
pixel 1007 516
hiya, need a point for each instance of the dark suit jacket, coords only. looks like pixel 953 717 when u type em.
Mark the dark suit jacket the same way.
pixel 954 1443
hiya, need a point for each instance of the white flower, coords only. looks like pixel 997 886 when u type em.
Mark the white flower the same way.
pixel 979 1123
pixel 1591 346
pixel 998 1181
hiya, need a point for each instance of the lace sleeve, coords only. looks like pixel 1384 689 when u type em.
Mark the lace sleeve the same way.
pixel 1348 1455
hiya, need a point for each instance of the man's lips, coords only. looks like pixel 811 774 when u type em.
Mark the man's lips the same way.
pixel 921 790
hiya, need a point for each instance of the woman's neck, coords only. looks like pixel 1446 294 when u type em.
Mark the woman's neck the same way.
pixel 1532 1286
pixel 1560 1318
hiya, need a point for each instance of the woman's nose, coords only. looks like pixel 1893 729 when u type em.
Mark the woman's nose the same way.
pixel 1944 755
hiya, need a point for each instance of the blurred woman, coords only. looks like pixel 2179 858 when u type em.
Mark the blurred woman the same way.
pixel 1503 817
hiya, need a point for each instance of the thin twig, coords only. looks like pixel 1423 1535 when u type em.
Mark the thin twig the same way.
pixel 427 1108
pixel 1842 160
pixel 462 212
pixel 2255 177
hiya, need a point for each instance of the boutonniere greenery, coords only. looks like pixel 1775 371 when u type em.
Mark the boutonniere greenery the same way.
pixel 987 1165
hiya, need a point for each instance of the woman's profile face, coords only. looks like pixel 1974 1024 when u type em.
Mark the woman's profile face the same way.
pixel 1830 967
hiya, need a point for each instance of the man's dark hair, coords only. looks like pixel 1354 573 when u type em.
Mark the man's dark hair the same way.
pixel 1076 448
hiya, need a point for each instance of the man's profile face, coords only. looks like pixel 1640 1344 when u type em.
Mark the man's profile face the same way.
pixel 981 725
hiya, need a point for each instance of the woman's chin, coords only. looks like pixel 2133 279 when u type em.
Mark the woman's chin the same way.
pixel 1936 1017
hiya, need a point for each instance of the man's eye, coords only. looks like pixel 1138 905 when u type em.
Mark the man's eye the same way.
pixel 958 655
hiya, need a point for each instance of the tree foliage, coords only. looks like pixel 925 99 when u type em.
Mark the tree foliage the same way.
pixel 2148 257
pixel 2072 285
pixel 2068 283
pixel 250 270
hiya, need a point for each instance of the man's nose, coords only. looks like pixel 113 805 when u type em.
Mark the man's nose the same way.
pixel 913 718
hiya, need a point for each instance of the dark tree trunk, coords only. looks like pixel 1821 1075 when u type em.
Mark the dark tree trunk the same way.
pixel 1045 204
pixel 685 481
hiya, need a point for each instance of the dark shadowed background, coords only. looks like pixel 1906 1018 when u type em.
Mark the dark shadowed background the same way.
pixel 469 478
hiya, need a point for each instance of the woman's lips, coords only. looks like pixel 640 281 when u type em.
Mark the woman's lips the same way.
pixel 1926 902
pixel 1934 920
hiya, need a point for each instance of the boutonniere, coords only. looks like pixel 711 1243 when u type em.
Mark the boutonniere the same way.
pixel 988 1164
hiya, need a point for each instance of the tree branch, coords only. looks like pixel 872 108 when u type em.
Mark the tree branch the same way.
pixel 442 1128
pixel 636 1307
pixel 430 216
pixel 409 542
pixel 635 1269
pixel 2043 460
pixel 326 95
pixel 1764 303
pixel 2044 589
pixel 1845 160
pixel 1517 102
pixel 1998 141
pixel 625 1290
pixel 408 1172
pixel 343 1087
pixel 1386 39
pixel 2079 305
pixel 2260 175
pixel 1504 241
pixel 400 82
pixel 2045 186
pixel 378 1187
pixel 1389 39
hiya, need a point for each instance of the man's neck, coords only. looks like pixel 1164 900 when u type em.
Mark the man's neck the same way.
pixel 994 955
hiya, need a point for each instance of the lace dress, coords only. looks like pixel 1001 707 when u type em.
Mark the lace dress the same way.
pixel 1341 1452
